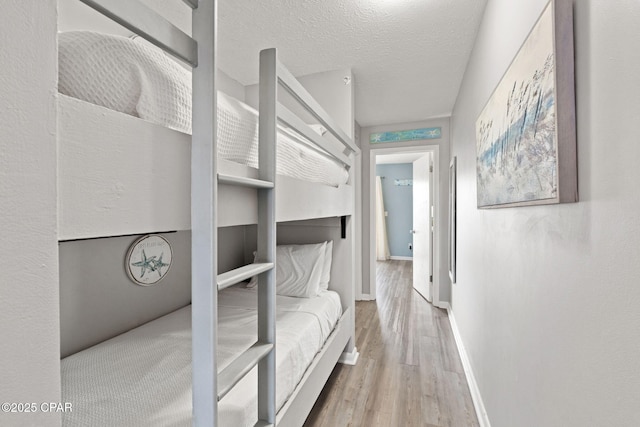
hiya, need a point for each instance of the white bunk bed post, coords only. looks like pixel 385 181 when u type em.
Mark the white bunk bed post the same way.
pixel 266 244
pixel 204 224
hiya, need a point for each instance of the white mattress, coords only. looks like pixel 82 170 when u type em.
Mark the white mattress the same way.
pixel 143 377
pixel 136 78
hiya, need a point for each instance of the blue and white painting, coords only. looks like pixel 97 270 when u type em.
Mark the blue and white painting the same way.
pixel 406 135
pixel 516 136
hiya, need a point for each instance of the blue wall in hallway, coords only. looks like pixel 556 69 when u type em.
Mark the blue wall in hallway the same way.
pixel 398 202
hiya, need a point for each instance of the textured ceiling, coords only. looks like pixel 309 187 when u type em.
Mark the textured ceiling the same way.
pixel 408 56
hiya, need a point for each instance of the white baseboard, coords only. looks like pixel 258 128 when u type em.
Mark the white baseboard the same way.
pixel 443 305
pixel 349 358
pixel 401 258
pixel 364 297
pixel 481 412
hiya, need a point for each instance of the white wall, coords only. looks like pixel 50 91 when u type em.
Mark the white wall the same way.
pixel 547 297
pixel 443 144
pixel 29 353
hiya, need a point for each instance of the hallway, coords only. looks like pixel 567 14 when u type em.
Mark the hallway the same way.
pixel 409 372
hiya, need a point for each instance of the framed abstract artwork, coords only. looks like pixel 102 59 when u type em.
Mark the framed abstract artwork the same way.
pixel 526 133
pixel 406 135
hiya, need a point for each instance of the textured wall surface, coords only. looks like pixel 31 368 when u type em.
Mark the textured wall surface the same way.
pixel 398 202
pixel 30 336
pixel 547 297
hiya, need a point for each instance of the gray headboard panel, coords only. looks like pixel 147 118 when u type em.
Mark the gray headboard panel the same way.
pixel 315 231
pixel 98 300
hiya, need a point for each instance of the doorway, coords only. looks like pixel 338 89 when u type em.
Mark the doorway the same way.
pixel 420 179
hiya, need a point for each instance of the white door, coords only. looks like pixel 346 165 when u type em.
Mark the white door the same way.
pixel 422 227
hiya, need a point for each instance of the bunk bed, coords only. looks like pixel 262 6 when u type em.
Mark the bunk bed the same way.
pixel 122 176
pixel 102 76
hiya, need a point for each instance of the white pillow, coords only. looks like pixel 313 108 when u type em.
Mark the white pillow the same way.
pixel 326 267
pixel 299 269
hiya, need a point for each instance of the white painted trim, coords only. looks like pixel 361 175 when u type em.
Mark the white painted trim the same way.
pixel 435 149
pixel 443 305
pixel 481 412
pixel 401 258
pixel 365 297
pixel 356 180
pixel 349 358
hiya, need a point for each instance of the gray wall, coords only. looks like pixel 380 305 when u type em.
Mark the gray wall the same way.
pixel 367 241
pixel 29 353
pixel 398 203
pixel 98 300
pixel 546 299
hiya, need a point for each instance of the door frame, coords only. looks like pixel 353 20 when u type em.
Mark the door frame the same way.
pixel 436 256
pixel 420 219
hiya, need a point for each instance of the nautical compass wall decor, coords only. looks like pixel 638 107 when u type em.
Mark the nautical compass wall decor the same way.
pixel 148 259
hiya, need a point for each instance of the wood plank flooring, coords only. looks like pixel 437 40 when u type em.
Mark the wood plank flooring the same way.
pixel 409 371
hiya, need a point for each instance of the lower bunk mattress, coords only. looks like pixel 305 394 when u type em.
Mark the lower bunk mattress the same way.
pixel 143 377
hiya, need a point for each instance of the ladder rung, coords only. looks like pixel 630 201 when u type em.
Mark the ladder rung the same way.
pixel 233 373
pixel 262 423
pixel 245 182
pixel 232 277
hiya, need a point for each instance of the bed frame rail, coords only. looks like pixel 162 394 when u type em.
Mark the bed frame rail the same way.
pixel 148 24
pixel 322 145
pixel 295 88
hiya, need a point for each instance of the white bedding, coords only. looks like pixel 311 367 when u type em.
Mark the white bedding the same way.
pixel 136 78
pixel 143 377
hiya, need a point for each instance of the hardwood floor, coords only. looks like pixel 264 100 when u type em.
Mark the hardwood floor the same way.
pixel 409 371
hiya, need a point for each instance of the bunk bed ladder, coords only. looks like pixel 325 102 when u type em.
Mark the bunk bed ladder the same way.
pixel 262 353
pixel 209 387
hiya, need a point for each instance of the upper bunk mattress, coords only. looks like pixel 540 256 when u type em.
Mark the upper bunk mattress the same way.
pixel 143 377
pixel 134 77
